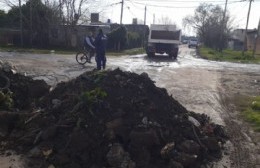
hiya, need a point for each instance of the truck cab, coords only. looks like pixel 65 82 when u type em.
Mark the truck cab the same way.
pixel 193 43
pixel 163 39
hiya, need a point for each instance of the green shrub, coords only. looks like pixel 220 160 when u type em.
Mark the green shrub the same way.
pixel 256 105
pixel 211 52
pixel 6 101
pixel 228 55
pixel 93 96
pixel 252 113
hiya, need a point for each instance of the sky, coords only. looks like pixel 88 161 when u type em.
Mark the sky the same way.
pixel 176 10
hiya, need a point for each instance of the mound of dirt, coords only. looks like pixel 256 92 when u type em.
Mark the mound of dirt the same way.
pixel 114 119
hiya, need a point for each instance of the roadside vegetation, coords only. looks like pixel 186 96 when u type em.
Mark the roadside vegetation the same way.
pixel 250 108
pixel 252 113
pixel 228 55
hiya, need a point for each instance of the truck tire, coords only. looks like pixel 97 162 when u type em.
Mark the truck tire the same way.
pixel 150 54
pixel 174 54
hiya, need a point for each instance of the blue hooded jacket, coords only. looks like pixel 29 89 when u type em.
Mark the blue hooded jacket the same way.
pixel 100 42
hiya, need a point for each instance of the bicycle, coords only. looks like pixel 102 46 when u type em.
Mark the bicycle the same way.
pixel 84 56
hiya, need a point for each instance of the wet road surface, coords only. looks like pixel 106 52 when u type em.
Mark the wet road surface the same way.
pixel 198 84
pixel 193 81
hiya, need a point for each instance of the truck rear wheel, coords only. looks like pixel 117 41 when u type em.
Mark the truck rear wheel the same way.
pixel 174 54
pixel 150 54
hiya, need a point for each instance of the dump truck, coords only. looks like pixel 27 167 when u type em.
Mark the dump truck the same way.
pixel 163 39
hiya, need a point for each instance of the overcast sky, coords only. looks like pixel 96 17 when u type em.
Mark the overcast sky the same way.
pixel 176 10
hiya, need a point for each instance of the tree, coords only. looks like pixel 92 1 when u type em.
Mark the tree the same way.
pixel 134 40
pixel 207 21
pixel 77 10
pixel 117 39
pixel 37 18
pixel 166 21
pixel 3 21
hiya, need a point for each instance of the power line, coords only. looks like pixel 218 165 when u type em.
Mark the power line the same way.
pixel 135 5
pixel 189 1
pixel 177 1
pixel 131 11
pixel 240 10
pixel 163 6
pixel 109 5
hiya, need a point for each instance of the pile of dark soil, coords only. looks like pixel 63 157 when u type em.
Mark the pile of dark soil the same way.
pixel 114 119
pixel 25 90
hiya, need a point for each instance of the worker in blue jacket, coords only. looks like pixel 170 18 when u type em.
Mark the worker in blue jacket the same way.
pixel 100 43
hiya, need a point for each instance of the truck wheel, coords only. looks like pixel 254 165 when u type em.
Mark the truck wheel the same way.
pixel 150 54
pixel 175 55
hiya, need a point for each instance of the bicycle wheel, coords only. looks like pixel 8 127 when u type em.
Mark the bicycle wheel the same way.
pixel 82 57
pixel 4 82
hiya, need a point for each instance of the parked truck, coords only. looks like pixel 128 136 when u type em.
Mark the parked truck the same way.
pixel 163 39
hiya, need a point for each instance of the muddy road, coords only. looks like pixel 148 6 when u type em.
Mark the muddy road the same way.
pixel 200 85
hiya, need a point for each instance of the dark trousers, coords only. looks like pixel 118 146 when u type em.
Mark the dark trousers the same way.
pixel 101 60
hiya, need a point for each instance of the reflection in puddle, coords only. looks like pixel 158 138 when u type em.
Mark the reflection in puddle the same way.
pixel 137 56
pixel 157 65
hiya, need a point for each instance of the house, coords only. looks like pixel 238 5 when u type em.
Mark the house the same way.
pixel 9 36
pixel 236 41
pixel 73 37
pixel 252 39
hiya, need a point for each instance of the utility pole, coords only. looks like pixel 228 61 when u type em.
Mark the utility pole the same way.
pixel 21 23
pixel 145 15
pixel 144 28
pixel 223 27
pixel 247 20
pixel 122 7
pixel 153 18
pixel 256 38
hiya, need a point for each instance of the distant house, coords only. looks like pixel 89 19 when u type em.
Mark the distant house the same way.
pixel 66 36
pixel 236 41
pixel 9 36
pixel 73 36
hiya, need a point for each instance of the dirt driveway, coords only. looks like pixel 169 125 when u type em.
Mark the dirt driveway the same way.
pixel 201 86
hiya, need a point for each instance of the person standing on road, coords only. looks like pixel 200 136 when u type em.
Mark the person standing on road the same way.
pixel 89 44
pixel 100 43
